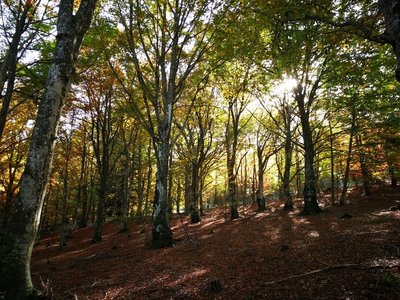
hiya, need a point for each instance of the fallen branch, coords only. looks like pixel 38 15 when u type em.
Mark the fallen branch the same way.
pixel 329 268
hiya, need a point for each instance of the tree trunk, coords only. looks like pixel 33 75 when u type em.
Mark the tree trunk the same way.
pixel 232 189
pixel 178 195
pixel 332 158
pixel 100 213
pixel 286 173
pixel 161 232
pixel 260 192
pixel 348 160
pixel 188 184
pixel 309 192
pixel 194 195
pixel 8 66
pixel 288 159
pixel 391 13
pixel 21 230
pixel 82 186
pixel 140 183
pixel 364 168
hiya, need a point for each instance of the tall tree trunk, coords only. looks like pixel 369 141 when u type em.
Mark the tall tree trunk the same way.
pixel 8 66
pixel 391 13
pixel 148 183
pixel 178 195
pixel 194 195
pixel 364 167
pixel 161 232
pixel 170 185
pixel 201 199
pixel 392 173
pixel 261 169
pixel 332 158
pixel 140 183
pixel 21 230
pixel 82 185
pixel 188 185
pixel 309 192
pixel 232 188
pixel 348 161
pixel 286 173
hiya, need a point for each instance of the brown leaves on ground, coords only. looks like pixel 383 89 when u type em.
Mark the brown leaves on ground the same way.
pixel 271 255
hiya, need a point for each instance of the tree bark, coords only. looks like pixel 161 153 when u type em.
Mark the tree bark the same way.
pixel 348 161
pixel 288 160
pixel 161 232
pixel 261 169
pixel 194 195
pixel 364 167
pixel 21 230
pixel 391 13
pixel 8 67
pixel 309 192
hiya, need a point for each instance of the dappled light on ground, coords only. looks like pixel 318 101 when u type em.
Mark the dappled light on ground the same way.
pixel 262 255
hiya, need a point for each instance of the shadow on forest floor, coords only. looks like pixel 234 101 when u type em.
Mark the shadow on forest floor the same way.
pixel 268 255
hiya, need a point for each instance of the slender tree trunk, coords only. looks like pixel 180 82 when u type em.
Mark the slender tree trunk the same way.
pixel 393 176
pixel 261 169
pixel 194 195
pixel 8 66
pixel 21 230
pixel 170 186
pixel 364 168
pixel 188 184
pixel 332 158
pixel 100 211
pixel 148 183
pixel 125 193
pixel 140 183
pixel 178 195
pixel 348 161
pixel 64 205
pixel 82 186
pixel 201 199
pixel 286 173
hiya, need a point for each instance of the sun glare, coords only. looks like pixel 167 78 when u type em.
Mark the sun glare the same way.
pixel 285 86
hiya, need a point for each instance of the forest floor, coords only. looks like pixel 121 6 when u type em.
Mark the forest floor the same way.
pixel 269 255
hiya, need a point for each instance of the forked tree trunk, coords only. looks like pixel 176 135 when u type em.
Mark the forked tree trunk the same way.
pixel 21 230
pixel 309 192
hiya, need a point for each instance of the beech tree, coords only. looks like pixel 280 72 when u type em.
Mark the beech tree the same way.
pixel 20 232
pixel 165 42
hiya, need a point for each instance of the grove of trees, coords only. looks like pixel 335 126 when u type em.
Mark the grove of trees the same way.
pixel 120 110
